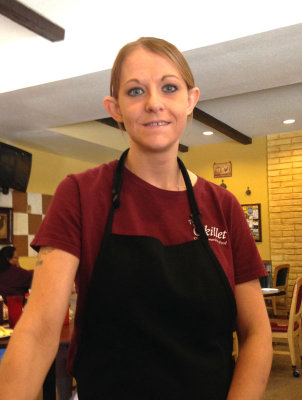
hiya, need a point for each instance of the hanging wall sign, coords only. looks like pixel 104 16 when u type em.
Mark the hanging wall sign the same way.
pixel 222 170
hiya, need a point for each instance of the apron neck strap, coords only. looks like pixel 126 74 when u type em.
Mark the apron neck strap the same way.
pixel 118 180
pixel 195 212
pixel 193 205
pixel 116 191
pixel 117 187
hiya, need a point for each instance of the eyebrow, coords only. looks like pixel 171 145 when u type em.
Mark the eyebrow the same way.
pixel 135 80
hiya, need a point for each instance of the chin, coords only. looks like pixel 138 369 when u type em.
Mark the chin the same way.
pixel 155 144
pixel 162 147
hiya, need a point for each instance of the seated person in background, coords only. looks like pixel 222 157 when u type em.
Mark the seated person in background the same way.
pixel 14 280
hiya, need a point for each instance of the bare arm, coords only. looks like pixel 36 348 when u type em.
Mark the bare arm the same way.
pixel 35 340
pixel 255 344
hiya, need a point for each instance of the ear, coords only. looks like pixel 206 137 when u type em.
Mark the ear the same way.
pixel 112 107
pixel 193 96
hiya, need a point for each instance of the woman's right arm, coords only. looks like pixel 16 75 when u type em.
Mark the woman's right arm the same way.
pixel 35 340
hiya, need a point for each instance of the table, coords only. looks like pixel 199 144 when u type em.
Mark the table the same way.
pixel 269 291
pixel 57 374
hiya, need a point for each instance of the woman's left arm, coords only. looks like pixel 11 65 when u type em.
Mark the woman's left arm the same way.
pixel 255 344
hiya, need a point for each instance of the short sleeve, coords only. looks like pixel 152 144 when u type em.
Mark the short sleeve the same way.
pixel 246 258
pixel 61 227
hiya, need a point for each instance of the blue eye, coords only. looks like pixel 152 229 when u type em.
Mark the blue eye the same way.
pixel 135 92
pixel 169 88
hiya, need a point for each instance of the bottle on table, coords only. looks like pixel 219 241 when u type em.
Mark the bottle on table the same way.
pixel 3 312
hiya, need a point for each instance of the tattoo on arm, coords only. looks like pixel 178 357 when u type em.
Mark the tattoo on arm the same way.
pixel 43 251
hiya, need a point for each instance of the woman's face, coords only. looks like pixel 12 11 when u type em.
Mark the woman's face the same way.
pixel 15 259
pixel 153 101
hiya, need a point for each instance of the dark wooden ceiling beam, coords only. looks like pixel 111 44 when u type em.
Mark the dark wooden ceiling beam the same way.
pixel 31 20
pixel 108 121
pixel 183 148
pixel 220 126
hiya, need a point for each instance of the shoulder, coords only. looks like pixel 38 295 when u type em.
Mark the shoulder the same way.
pixel 81 185
pixel 219 206
pixel 211 191
pixel 92 176
pixel 13 270
pixel 78 193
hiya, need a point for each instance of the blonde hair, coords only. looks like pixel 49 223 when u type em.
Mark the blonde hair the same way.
pixel 157 46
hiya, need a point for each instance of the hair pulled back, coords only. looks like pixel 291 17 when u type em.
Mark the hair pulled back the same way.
pixel 6 253
pixel 157 46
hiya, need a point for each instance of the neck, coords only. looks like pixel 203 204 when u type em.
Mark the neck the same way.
pixel 158 169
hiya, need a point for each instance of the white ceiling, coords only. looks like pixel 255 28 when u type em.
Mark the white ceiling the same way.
pixel 251 83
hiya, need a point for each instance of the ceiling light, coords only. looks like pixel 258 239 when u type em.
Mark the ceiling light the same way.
pixel 207 133
pixel 289 121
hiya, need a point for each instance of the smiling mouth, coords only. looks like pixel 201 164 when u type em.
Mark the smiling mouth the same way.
pixel 157 123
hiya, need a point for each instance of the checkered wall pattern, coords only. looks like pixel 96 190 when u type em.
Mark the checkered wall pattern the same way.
pixel 28 211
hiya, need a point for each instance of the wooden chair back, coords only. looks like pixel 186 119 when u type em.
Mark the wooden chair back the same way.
pixel 281 274
pixel 290 329
pixel 280 281
pixel 295 314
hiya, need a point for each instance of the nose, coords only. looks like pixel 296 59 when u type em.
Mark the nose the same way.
pixel 154 101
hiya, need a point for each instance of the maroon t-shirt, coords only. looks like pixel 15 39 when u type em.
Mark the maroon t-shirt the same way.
pixel 76 219
pixel 15 281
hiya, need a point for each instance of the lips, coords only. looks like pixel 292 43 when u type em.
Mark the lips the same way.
pixel 157 123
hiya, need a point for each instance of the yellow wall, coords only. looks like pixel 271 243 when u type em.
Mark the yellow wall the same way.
pixel 249 168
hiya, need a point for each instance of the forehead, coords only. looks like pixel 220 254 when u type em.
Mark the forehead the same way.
pixel 142 63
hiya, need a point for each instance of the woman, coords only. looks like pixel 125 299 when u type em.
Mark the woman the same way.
pixel 14 280
pixel 157 291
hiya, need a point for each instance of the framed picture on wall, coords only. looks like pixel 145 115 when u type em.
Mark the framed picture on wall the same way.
pixel 6 225
pixel 252 214
pixel 222 170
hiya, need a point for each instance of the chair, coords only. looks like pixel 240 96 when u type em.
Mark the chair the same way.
pixel 280 281
pixel 289 330
pixel 267 281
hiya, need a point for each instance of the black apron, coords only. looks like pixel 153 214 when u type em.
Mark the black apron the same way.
pixel 158 320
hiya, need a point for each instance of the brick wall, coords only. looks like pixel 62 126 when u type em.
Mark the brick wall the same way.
pixel 285 201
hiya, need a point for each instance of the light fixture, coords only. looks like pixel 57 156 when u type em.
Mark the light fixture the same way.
pixel 248 191
pixel 207 133
pixel 289 121
pixel 223 184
